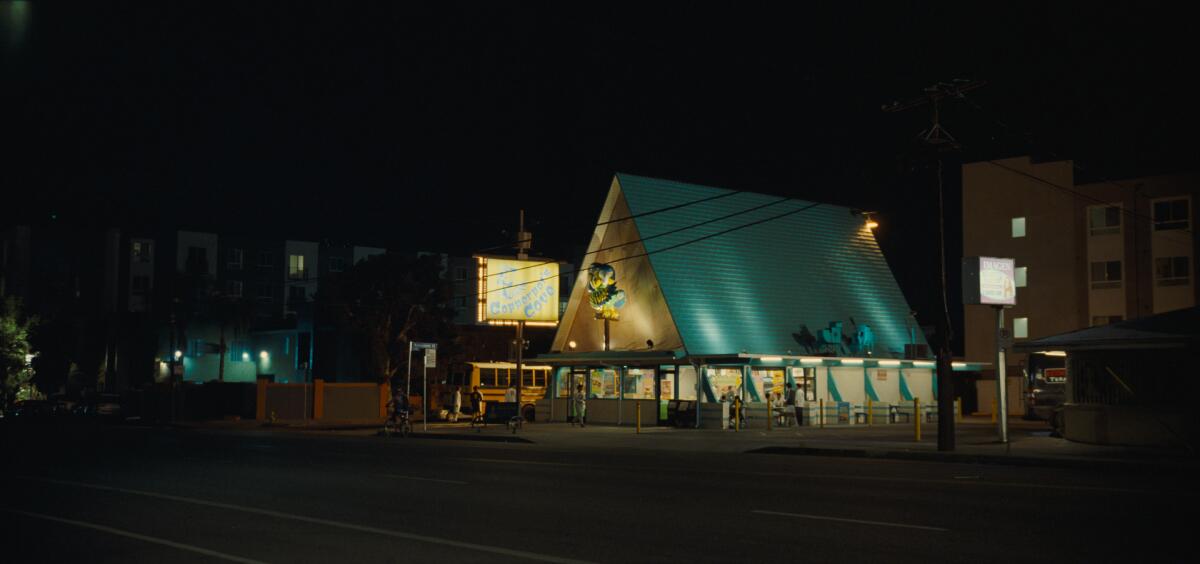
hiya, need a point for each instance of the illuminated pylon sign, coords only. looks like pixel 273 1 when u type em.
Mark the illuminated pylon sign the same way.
pixel 603 294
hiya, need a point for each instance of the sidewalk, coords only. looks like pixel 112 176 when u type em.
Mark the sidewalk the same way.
pixel 1030 443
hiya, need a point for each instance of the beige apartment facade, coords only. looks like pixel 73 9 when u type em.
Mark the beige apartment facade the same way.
pixel 1085 254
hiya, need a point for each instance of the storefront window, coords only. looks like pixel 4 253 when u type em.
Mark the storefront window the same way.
pixel 563 387
pixel 768 380
pixel 604 383
pixel 806 383
pixel 666 389
pixel 725 381
pixel 687 383
pixel 639 383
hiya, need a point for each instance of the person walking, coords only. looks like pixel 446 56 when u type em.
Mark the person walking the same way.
pixel 456 402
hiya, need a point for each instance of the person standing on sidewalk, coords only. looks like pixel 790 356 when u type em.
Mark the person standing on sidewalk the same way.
pixel 476 406
pixel 579 403
pixel 789 401
pixel 456 402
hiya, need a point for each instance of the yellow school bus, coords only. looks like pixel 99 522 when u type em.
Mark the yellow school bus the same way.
pixel 494 378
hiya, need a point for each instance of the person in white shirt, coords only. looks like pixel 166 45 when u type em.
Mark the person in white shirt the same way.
pixel 510 395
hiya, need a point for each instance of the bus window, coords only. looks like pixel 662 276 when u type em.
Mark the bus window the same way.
pixel 527 377
pixel 487 377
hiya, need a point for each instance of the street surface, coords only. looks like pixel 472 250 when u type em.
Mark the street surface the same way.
pixel 104 493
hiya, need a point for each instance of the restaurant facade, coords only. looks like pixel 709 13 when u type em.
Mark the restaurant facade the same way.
pixel 690 294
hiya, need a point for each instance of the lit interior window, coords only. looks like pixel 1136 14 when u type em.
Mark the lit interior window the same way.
pixel 1018 227
pixel 1021 328
pixel 1020 276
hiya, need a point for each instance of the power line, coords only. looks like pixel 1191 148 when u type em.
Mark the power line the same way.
pixel 1081 195
pixel 634 216
pixel 664 249
pixel 1029 140
pixel 655 236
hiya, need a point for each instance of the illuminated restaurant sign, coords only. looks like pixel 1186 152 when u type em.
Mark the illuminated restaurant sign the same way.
pixel 518 290
pixel 988 281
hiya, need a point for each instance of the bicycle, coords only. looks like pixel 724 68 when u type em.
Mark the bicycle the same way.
pixel 397 422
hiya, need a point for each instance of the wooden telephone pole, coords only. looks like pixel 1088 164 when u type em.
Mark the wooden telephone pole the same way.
pixel 941 142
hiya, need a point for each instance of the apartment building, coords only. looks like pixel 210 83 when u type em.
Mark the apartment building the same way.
pixel 1086 254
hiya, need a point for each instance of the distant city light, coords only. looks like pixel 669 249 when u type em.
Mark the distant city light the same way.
pixel 263 355
pixel 245 356
pixel 178 354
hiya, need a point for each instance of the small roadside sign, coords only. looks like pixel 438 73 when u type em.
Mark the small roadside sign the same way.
pixel 430 358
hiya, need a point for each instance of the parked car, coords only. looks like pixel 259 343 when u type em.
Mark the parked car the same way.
pixel 1044 398
pixel 100 405
pixel 35 409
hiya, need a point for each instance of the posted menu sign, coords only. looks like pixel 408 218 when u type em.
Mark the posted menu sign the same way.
pixel 988 281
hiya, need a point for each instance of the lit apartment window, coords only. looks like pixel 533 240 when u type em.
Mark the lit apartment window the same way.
pixel 1021 328
pixel 296 267
pixel 234 288
pixel 1106 274
pixel 1018 227
pixel 337 264
pixel 141 251
pixel 1171 214
pixel 1104 220
pixel 1020 275
pixel 235 259
pixel 1098 320
pixel 1172 271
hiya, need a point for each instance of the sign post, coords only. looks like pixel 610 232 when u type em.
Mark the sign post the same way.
pixel 990 281
pixel 430 360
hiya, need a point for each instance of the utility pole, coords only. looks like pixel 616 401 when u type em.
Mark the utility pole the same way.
pixel 523 243
pixel 941 142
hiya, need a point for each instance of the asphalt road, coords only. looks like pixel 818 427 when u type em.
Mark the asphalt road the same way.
pixel 133 494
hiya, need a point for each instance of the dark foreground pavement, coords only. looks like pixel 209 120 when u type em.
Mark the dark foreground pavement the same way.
pixel 141 494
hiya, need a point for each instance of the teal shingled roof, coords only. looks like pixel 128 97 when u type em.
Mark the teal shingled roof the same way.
pixel 748 290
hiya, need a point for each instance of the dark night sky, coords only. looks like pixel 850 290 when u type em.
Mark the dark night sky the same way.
pixel 385 125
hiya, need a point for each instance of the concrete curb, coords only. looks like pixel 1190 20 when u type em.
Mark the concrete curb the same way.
pixel 467 437
pixel 1172 465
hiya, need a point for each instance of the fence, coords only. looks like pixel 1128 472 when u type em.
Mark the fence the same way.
pixel 321 401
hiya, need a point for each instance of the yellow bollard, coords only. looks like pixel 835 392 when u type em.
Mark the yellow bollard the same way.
pixel 770 411
pixel 958 405
pixel 993 411
pixel 917 416
pixel 821 412
pixel 737 412
pixel 870 413
pixel 638 406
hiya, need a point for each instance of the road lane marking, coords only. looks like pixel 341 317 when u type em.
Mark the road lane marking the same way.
pixel 535 463
pixel 136 536
pixel 856 521
pixel 975 481
pixel 317 521
pixel 459 482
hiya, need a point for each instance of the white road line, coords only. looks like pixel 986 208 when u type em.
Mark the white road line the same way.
pixel 536 463
pixel 136 536
pixel 318 521
pixel 957 481
pixel 424 479
pixel 856 521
